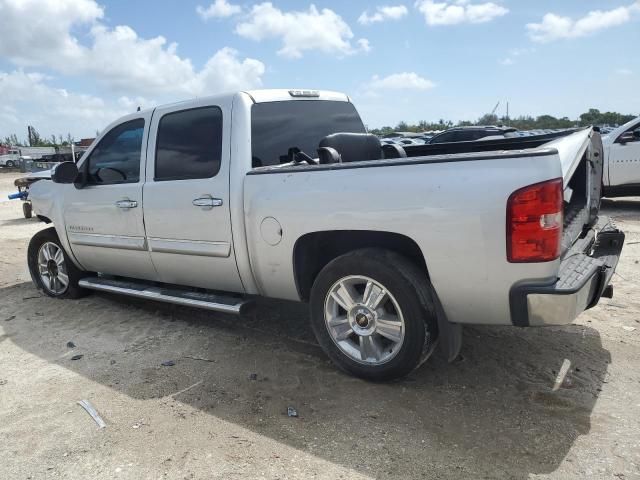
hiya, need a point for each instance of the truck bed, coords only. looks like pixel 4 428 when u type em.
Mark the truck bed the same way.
pixel 449 198
pixel 514 143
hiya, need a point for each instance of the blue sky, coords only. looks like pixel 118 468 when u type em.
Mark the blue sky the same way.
pixel 75 65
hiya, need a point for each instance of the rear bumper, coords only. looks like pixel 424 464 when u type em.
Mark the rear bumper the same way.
pixel 585 273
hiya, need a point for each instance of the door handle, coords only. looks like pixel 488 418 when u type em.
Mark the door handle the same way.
pixel 207 202
pixel 126 204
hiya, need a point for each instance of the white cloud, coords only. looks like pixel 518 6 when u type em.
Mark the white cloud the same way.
pixel 383 13
pixel 30 99
pixel 363 45
pixel 514 53
pixel 624 71
pixel 400 81
pixel 35 31
pixel 555 27
pixel 153 66
pixel 116 57
pixel 314 29
pixel 218 9
pixel 459 11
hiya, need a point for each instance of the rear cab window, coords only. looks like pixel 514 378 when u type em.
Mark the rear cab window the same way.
pixel 278 126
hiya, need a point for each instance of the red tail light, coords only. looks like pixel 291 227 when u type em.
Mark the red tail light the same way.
pixel 534 222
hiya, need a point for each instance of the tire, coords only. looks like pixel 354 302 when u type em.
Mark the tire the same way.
pixel 9 164
pixel 27 210
pixel 400 331
pixel 45 248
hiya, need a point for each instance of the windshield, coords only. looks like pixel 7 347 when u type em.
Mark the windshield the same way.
pixel 278 126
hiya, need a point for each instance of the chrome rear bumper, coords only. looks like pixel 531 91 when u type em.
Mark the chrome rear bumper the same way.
pixel 585 273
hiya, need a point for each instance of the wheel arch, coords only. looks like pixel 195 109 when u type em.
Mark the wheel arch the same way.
pixel 314 250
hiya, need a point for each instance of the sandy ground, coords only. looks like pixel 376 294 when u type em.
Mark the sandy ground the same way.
pixel 491 414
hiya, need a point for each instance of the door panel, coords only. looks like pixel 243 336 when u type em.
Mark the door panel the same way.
pixel 624 163
pixel 104 220
pixel 187 216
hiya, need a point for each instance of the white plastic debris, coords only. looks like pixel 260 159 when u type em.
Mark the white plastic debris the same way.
pixel 92 411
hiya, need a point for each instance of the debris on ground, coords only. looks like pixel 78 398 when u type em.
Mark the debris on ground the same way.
pixel 92 411
pixel 112 362
pixel 9 318
pixel 201 359
pixel 71 345
pixel 77 357
pixel 3 382
pixel 168 363
pixel 253 376
pixel 628 329
pixel 292 412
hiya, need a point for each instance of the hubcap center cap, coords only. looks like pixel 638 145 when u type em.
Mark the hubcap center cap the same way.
pixel 52 267
pixel 362 320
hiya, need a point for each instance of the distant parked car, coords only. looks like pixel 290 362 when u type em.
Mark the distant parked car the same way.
pixel 468 134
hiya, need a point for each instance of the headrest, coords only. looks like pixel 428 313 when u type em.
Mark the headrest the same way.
pixel 354 147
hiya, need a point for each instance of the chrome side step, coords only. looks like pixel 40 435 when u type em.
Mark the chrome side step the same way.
pixel 138 289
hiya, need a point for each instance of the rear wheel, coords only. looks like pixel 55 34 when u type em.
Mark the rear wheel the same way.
pixel 372 314
pixel 9 164
pixel 51 269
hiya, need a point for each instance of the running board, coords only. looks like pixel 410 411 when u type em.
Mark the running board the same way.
pixel 177 296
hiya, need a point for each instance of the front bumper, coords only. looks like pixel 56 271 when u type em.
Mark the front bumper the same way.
pixel 585 273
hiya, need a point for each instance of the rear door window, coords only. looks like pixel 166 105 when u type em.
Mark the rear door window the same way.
pixel 189 144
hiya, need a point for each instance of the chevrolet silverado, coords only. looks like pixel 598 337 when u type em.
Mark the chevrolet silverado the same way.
pixel 282 193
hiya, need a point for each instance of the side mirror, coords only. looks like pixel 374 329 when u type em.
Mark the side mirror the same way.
pixel 626 137
pixel 65 172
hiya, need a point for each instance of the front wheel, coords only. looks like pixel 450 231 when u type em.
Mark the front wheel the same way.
pixel 51 269
pixel 372 314
pixel 9 164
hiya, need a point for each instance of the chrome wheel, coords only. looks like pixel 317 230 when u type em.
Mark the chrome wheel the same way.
pixel 364 320
pixel 52 269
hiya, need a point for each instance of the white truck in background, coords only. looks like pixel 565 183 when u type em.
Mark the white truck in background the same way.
pixel 621 175
pixel 12 159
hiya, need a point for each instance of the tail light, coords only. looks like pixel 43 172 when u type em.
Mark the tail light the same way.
pixel 534 222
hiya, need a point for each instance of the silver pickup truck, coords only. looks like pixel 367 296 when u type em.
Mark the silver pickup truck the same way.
pixel 214 201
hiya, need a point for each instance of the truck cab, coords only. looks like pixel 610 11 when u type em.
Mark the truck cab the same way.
pixel 158 192
pixel 10 159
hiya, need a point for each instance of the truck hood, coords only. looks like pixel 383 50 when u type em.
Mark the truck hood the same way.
pixel 42 175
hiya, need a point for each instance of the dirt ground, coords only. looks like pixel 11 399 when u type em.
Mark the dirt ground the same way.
pixel 494 413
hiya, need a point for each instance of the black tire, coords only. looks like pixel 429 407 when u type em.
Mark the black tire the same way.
pixel 411 290
pixel 27 210
pixel 9 164
pixel 73 273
